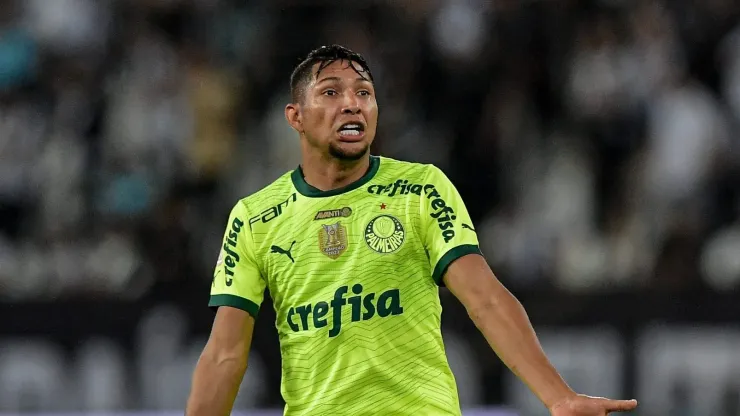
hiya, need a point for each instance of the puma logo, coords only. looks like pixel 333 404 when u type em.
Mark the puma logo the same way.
pixel 468 227
pixel 280 250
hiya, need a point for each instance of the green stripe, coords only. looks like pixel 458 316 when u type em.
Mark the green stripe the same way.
pixel 307 190
pixel 235 302
pixel 452 255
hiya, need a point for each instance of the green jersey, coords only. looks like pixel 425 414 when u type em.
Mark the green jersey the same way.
pixel 354 275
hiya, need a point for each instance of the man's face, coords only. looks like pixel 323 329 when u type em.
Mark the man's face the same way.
pixel 339 114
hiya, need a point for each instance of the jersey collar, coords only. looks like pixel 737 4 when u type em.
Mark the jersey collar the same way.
pixel 307 190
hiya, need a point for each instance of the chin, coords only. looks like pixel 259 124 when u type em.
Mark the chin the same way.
pixel 349 151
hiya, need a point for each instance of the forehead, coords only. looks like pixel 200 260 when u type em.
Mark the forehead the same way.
pixel 341 70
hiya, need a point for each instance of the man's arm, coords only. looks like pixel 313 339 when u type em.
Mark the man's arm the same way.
pixel 504 323
pixel 222 364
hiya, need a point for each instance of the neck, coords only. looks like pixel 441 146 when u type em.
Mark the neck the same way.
pixel 328 174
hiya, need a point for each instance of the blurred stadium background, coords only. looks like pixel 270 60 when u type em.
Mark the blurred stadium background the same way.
pixel 595 143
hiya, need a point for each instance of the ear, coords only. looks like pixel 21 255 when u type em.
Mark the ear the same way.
pixel 293 115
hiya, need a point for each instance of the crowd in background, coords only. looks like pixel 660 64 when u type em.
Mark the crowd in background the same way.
pixel 594 142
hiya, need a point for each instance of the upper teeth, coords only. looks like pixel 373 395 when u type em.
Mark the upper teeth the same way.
pixel 350 126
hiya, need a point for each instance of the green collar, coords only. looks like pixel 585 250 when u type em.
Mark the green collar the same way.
pixel 307 190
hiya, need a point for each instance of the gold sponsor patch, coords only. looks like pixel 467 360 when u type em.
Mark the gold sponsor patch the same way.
pixel 333 240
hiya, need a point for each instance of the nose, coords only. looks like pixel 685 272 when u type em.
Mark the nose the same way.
pixel 351 104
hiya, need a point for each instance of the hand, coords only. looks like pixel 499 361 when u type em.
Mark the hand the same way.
pixel 581 405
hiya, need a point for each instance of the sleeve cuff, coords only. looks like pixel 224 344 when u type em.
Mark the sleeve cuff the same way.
pixel 447 259
pixel 235 302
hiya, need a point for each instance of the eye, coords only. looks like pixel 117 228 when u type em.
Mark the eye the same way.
pixel 364 92
pixel 330 92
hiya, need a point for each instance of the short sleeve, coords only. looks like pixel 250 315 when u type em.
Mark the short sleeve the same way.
pixel 447 230
pixel 237 280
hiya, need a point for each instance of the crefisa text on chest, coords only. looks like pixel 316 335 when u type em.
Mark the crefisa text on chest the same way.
pixel 443 213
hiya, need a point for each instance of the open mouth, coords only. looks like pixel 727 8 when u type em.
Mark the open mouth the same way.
pixel 352 130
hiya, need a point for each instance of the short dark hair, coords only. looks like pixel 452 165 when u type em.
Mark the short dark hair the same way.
pixel 324 56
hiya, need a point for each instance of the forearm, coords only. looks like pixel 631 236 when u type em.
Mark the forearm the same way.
pixel 216 382
pixel 504 323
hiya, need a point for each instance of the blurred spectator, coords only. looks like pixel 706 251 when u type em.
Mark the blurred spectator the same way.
pixel 593 142
pixel 591 148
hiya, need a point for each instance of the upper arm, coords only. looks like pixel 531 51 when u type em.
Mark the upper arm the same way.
pixel 231 334
pixel 473 282
pixel 447 230
pixel 237 279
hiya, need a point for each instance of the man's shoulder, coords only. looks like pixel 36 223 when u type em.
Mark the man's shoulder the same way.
pixel 272 194
pixel 396 167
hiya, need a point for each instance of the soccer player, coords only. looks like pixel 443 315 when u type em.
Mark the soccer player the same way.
pixel 353 248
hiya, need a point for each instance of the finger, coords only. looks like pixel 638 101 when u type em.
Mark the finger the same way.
pixel 619 405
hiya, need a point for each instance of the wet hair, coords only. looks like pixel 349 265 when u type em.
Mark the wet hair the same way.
pixel 324 56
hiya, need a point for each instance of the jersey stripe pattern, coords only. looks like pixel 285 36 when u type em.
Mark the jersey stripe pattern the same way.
pixel 354 275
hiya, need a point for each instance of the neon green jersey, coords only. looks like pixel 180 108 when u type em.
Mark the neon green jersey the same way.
pixel 353 274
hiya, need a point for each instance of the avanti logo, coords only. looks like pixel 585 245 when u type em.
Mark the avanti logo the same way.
pixel 302 318
pixel 333 213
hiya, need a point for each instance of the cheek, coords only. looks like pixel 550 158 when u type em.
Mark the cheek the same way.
pixel 318 122
pixel 371 106
pixel 313 118
pixel 372 113
pixel 320 114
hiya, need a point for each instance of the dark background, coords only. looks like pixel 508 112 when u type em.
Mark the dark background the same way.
pixel 594 142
